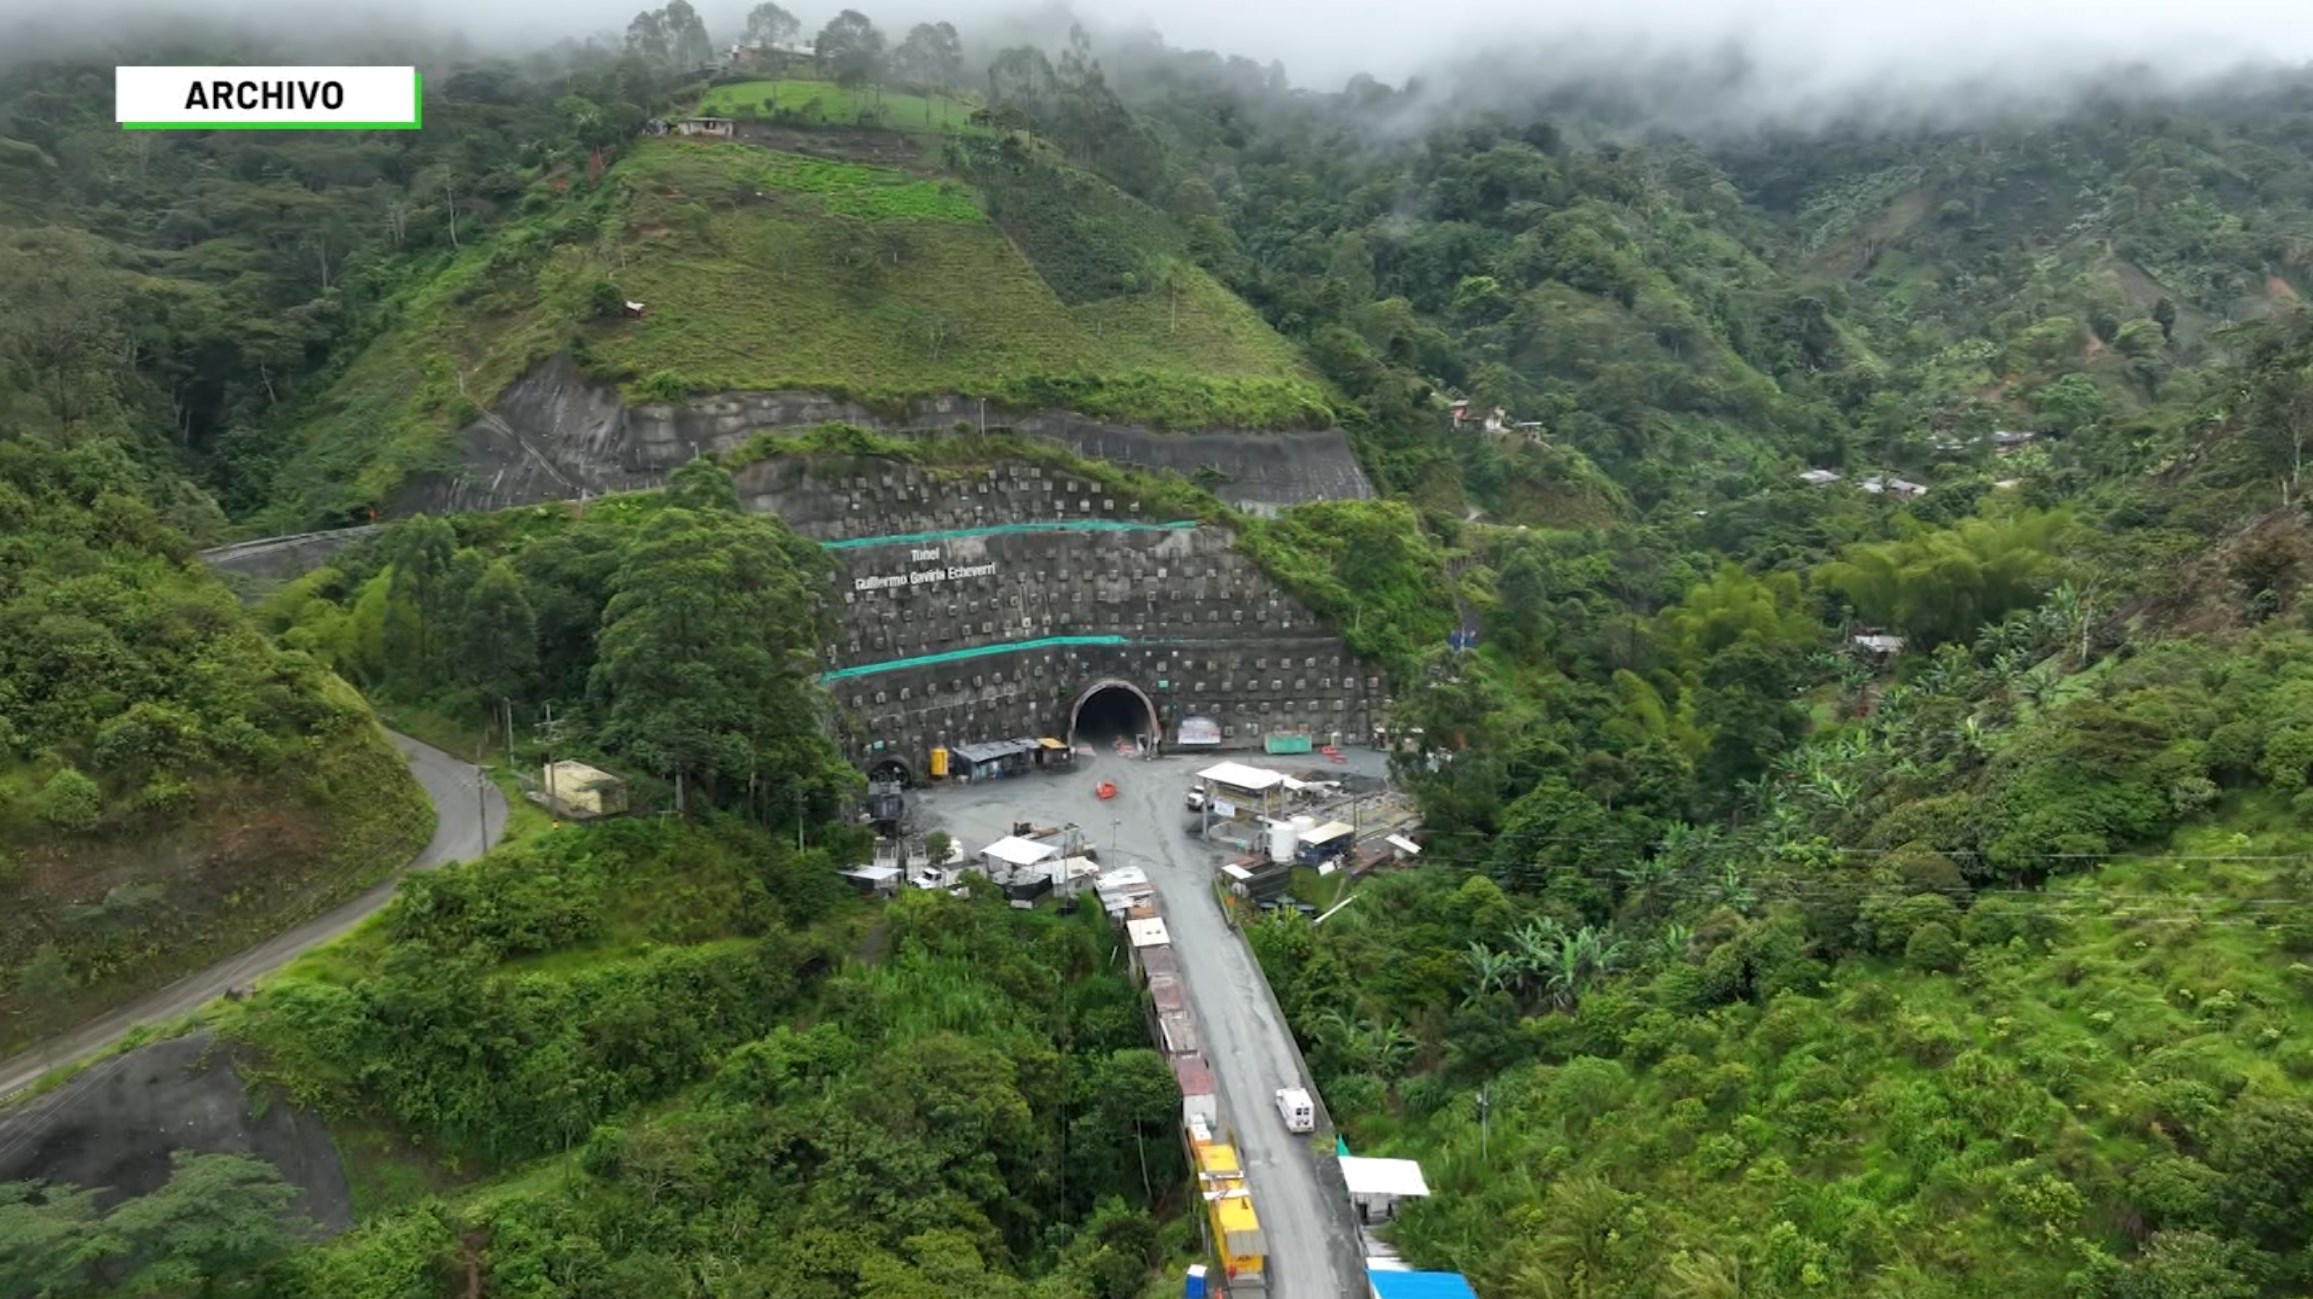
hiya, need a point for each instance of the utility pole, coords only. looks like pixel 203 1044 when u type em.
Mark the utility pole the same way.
pixel 1483 1107
pixel 553 807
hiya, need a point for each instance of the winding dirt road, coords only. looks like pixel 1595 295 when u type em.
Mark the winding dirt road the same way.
pixel 459 835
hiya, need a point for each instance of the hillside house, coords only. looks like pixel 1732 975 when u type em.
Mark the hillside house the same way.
pixel 2008 442
pixel 1875 644
pixel 1879 484
pixel 1820 477
pixel 717 127
pixel 1493 421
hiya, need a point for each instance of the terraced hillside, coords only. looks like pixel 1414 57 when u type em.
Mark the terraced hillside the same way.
pixel 766 271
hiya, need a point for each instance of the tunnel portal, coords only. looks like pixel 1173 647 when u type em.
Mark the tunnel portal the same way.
pixel 1110 710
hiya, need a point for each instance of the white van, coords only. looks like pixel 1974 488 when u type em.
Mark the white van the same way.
pixel 1294 1106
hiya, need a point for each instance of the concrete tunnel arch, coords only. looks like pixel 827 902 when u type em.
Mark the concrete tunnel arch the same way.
pixel 1110 688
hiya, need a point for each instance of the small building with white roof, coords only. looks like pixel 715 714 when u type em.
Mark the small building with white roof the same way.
pixel 1377 1185
pixel 1245 789
pixel 1015 853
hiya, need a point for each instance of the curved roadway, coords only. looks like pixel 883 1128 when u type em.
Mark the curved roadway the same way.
pixel 459 835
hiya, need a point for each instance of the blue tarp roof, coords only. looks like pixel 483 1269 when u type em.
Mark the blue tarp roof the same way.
pixel 1420 1285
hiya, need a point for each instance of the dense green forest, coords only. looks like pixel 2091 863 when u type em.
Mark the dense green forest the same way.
pixel 657 1045
pixel 1743 961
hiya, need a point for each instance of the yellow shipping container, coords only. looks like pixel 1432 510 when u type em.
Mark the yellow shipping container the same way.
pixel 1236 1229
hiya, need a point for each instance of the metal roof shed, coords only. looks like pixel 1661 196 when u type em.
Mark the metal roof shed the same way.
pixel 1376 1186
pixel 1399 1177
pixel 1147 933
pixel 1419 1285
pixel 1178 1032
pixel 1015 851
pixel 1236 775
pixel 1159 963
pixel 1165 992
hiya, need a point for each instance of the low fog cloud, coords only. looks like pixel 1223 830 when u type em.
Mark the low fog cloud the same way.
pixel 1695 63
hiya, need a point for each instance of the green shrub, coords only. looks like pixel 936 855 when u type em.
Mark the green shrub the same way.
pixel 1932 947
pixel 1995 921
pixel 1891 919
pixel 71 801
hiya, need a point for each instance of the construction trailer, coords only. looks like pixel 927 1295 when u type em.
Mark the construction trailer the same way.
pixel 1232 1228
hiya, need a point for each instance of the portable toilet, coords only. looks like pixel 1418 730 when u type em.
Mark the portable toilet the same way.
pixel 1194 1287
pixel 940 763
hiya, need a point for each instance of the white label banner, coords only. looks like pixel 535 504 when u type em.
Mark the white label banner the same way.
pixel 226 98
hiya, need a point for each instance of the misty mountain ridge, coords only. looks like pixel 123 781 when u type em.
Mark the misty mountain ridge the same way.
pixel 1863 795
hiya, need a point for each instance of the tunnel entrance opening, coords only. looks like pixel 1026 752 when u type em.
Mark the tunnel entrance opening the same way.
pixel 893 770
pixel 1108 711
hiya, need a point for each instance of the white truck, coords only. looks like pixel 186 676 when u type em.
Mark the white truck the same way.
pixel 1295 1107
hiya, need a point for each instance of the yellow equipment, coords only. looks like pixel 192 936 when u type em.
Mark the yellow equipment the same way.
pixel 939 764
pixel 1236 1230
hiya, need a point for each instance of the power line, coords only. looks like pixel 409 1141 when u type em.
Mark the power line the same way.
pixel 1657 842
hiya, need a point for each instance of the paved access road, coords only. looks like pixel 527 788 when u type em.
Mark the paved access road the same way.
pixel 1313 1251
pixel 458 836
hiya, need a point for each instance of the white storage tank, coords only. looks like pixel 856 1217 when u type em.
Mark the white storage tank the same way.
pixel 1282 840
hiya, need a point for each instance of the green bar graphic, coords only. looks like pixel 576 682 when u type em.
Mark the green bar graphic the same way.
pixel 977 651
pixel 1001 529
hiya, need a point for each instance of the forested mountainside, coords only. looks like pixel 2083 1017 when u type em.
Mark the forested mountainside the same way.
pixel 1745 958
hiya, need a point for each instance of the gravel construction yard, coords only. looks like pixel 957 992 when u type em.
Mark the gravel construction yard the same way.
pixel 1295 1180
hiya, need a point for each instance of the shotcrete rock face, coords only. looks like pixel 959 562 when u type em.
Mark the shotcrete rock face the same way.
pixel 1019 602
pixel 984 606
pixel 554 435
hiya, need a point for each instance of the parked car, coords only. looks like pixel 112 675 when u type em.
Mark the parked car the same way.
pixel 1197 799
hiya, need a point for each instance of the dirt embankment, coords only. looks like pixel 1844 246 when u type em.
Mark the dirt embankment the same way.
pixel 116 1125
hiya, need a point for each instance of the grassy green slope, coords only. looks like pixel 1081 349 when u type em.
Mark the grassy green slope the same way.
pixel 763 270
pixel 824 103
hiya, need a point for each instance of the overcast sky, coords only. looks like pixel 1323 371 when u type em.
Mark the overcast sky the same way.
pixel 1800 52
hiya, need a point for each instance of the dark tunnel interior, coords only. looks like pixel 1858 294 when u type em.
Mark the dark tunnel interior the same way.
pixel 1111 713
